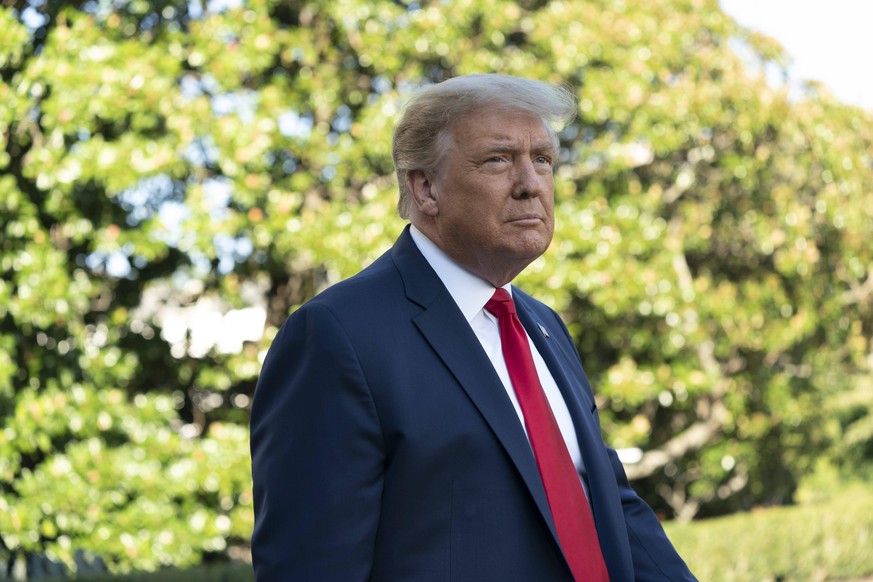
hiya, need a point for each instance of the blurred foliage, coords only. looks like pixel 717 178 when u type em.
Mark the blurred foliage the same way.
pixel 712 253
pixel 116 481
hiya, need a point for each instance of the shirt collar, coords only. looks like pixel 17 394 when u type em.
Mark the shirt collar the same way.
pixel 470 292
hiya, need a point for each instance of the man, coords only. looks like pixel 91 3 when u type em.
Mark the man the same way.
pixel 425 420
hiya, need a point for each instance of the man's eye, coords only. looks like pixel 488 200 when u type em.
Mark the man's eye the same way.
pixel 543 160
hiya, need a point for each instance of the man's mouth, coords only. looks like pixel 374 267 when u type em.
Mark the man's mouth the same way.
pixel 527 219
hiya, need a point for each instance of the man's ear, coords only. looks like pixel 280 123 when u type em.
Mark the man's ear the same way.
pixel 421 187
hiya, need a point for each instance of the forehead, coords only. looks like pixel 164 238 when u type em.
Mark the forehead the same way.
pixel 496 126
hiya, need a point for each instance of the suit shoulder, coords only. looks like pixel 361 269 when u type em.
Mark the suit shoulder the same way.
pixel 378 277
pixel 375 292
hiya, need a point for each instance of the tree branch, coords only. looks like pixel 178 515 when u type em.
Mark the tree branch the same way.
pixel 693 438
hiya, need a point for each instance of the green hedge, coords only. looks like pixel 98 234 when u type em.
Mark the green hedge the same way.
pixel 830 540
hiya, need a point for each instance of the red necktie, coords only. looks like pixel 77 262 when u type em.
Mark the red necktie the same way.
pixel 570 509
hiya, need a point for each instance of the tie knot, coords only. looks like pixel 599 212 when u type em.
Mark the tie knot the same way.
pixel 500 303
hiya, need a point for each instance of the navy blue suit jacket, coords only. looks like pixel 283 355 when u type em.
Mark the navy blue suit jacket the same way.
pixel 385 448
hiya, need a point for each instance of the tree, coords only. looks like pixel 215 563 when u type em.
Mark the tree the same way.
pixel 711 254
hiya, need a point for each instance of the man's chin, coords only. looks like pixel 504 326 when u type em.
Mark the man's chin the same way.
pixel 528 251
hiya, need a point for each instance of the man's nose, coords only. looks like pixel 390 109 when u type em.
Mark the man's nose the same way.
pixel 527 182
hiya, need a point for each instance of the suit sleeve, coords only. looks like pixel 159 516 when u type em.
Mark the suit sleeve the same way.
pixel 317 456
pixel 654 557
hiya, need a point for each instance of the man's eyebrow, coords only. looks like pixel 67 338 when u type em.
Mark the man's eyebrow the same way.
pixel 501 148
pixel 543 146
pixel 510 147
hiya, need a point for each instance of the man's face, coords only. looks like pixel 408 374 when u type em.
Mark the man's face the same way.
pixel 494 193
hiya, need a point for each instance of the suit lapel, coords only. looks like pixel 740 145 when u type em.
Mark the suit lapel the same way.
pixel 448 333
pixel 578 403
pixel 547 341
pixel 477 377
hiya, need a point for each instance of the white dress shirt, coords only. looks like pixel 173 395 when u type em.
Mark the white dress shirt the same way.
pixel 471 294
